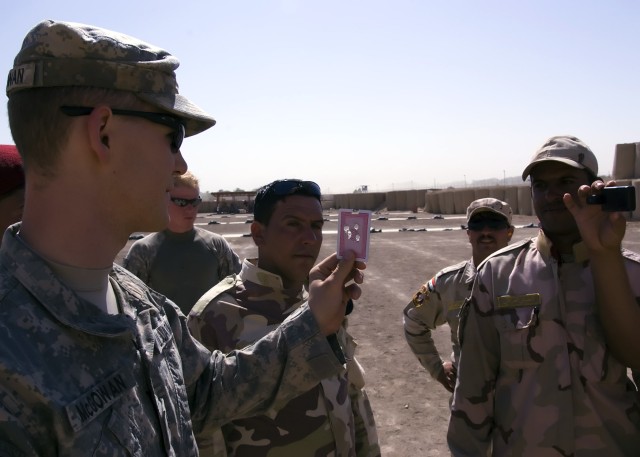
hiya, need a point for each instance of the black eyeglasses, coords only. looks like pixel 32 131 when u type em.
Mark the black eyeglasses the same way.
pixel 286 187
pixel 478 225
pixel 182 202
pixel 164 119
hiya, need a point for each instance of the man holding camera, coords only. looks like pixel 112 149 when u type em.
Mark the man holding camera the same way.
pixel 535 375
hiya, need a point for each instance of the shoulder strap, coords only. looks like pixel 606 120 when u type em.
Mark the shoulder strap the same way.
pixel 226 284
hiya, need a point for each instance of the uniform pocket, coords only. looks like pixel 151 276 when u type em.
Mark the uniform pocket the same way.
pixel 517 328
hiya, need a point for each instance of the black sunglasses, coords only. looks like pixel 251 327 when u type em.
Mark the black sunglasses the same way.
pixel 164 119
pixel 478 225
pixel 182 202
pixel 286 187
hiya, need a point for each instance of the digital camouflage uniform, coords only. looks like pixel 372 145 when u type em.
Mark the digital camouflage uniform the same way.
pixel 331 419
pixel 535 378
pixel 436 303
pixel 76 381
pixel 182 266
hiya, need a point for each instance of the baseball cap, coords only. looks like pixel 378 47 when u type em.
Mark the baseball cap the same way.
pixel 565 149
pixel 11 171
pixel 63 54
pixel 491 205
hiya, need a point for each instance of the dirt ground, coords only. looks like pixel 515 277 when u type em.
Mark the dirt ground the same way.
pixel 411 409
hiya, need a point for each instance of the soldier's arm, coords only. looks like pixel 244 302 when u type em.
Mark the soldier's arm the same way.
pixel 618 307
pixel 424 313
pixel 471 421
pixel 228 260
pixel 137 261
pixel 366 434
pixel 16 439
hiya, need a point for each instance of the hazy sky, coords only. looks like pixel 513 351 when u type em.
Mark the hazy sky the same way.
pixel 392 94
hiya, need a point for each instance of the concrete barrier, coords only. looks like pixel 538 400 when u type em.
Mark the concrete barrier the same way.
pixel 525 206
pixel 445 201
pixel 511 197
pixel 624 161
pixel 391 201
pixel 497 192
pixel 481 192
pixel 421 198
pixel 635 215
pixel 412 200
pixel 432 203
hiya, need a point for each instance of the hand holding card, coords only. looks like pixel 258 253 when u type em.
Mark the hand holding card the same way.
pixel 353 232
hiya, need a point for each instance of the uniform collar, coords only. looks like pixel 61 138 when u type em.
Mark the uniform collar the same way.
pixel 251 272
pixel 469 272
pixel 33 273
pixel 545 247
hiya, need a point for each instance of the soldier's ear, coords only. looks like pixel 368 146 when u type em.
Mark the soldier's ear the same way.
pixel 257 233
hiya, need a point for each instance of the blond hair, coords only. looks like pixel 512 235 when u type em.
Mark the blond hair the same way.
pixel 187 179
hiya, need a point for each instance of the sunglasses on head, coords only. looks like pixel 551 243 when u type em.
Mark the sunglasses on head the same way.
pixel 183 202
pixel 159 118
pixel 291 186
pixel 480 224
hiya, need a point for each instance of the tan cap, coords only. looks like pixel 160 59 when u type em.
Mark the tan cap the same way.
pixel 491 205
pixel 565 149
pixel 63 54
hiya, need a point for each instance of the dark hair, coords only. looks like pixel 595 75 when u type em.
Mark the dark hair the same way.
pixel 267 196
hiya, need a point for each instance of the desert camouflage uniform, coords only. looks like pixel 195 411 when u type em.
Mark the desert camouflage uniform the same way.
pixel 331 419
pixel 535 377
pixel 437 302
pixel 76 381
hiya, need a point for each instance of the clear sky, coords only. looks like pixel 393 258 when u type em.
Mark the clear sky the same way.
pixel 392 94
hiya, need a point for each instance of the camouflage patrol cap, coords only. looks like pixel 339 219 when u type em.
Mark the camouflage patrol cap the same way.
pixel 565 149
pixel 63 54
pixel 491 205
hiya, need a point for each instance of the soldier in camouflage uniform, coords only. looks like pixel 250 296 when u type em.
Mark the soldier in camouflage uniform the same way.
pixel 535 375
pixel 93 362
pixel 438 301
pixel 335 417
pixel 182 261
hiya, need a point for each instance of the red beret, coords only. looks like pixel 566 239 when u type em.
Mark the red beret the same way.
pixel 11 171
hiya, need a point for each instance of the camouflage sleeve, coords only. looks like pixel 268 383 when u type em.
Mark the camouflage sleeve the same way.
pixel 15 441
pixel 283 365
pixel 471 421
pixel 366 433
pixel 138 261
pixel 228 260
pixel 424 313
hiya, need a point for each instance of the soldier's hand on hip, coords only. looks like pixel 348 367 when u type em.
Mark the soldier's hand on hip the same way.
pixel 447 376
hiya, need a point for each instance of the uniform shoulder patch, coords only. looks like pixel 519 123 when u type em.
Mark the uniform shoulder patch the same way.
pixel 421 295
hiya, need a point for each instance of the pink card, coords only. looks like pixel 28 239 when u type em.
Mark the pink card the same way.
pixel 353 232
